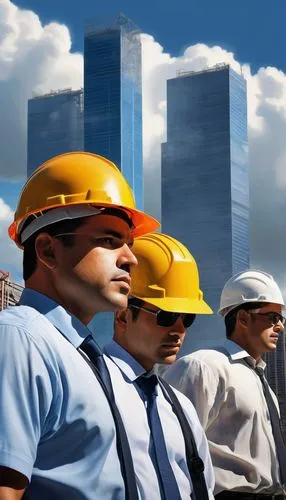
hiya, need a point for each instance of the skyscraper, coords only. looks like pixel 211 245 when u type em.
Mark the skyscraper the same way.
pixel 55 125
pixel 113 98
pixel 205 201
pixel 113 111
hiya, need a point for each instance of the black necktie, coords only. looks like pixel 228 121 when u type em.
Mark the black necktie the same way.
pixel 95 355
pixel 276 426
pixel 167 480
pixel 93 351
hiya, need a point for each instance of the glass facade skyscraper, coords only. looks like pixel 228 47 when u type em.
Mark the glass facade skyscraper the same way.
pixel 113 112
pixel 113 98
pixel 205 189
pixel 55 126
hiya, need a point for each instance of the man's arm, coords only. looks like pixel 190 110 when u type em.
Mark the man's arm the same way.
pixel 196 380
pixel 12 484
pixel 26 394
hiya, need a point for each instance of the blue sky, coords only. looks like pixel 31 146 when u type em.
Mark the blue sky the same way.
pixel 253 29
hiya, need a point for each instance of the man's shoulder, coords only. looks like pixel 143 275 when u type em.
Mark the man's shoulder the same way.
pixel 183 400
pixel 188 408
pixel 206 356
pixel 20 315
pixel 23 319
pixel 205 366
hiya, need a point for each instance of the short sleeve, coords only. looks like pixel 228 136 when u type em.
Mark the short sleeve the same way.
pixel 196 380
pixel 25 399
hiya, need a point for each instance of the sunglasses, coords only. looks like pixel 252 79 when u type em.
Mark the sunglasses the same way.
pixel 273 317
pixel 166 318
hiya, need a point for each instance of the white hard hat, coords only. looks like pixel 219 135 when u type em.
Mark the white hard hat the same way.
pixel 249 286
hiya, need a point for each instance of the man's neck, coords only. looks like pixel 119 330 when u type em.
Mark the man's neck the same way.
pixel 146 363
pixel 47 289
pixel 254 353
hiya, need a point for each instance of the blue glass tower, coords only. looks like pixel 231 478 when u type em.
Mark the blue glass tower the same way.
pixel 113 98
pixel 113 112
pixel 205 189
pixel 55 126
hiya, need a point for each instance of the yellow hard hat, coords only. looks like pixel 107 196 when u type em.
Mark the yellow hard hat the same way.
pixel 72 180
pixel 167 275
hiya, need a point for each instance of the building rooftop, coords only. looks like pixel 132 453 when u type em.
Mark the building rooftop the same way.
pixel 216 67
pixel 121 21
pixel 53 93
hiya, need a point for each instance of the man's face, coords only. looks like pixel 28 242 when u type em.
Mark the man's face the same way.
pixel 144 339
pixel 263 330
pixel 93 274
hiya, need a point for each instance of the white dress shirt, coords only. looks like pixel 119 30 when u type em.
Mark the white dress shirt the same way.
pixel 228 396
pixel 124 370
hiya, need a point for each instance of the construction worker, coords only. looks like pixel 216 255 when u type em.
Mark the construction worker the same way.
pixel 235 404
pixel 165 298
pixel 61 434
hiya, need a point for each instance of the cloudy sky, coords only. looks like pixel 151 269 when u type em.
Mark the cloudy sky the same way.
pixel 41 49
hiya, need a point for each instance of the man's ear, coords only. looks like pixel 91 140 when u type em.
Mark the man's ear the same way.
pixel 45 251
pixel 242 317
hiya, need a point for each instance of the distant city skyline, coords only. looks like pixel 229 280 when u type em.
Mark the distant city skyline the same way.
pixel 205 188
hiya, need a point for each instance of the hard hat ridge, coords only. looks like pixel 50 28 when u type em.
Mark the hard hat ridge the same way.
pixel 248 286
pixel 167 275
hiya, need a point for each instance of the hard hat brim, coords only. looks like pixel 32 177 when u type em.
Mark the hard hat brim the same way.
pixel 182 305
pixel 224 311
pixel 142 222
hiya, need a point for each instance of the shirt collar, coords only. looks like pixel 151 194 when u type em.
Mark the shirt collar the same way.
pixel 125 362
pixel 236 353
pixel 68 325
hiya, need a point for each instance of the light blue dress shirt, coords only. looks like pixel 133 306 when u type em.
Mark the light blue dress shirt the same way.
pixel 56 427
pixel 124 370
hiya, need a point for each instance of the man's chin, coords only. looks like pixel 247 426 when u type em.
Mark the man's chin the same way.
pixel 169 360
pixel 272 346
pixel 119 302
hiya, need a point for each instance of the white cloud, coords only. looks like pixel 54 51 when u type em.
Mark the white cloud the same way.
pixel 33 58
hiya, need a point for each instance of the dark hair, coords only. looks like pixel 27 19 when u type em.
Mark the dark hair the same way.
pixel 64 226
pixel 136 302
pixel 230 318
